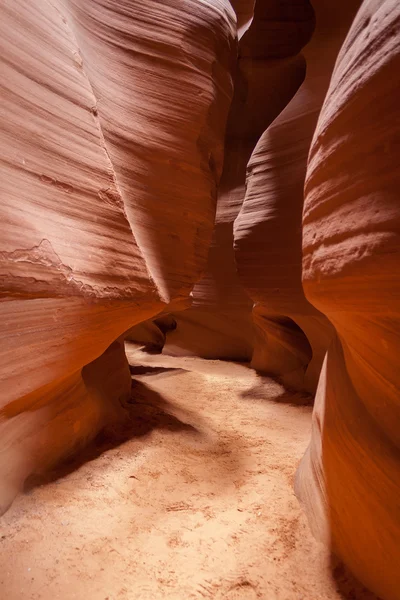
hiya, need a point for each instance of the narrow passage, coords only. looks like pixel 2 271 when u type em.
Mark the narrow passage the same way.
pixel 194 500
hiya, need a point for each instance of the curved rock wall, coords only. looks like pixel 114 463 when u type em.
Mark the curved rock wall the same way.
pixel 112 126
pixel 107 201
pixel 163 84
pixel 269 72
pixel 350 477
pixel 291 336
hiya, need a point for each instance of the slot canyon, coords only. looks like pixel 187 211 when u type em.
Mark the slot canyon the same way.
pixel 200 299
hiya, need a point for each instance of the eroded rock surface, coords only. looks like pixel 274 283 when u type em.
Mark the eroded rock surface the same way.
pixel 111 149
pixel 291 336
pixel 350 477
pixel 126 132
pixel 268 73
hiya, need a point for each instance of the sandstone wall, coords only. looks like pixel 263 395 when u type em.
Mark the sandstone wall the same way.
pixel 350 477
pixel 291 336
pixel 268 73
pixel 111 148
pixel 113 124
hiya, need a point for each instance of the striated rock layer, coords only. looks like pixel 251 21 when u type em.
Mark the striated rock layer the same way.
pixel 268 73
pixel 350 476
pixel 291 336
pixel 163 83
pixel 108 178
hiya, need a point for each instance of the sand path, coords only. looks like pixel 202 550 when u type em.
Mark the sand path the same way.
pixel 195 503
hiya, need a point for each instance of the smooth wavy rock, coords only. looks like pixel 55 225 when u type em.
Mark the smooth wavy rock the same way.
pixel 150 335
pixel 161 73
pixel 219 324
pixel 350 477
pixel 111 146
pixel 291 336
pixel 244 10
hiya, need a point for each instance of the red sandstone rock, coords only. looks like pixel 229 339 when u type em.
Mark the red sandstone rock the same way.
pixel 219 323
pixel 111 149
pixel 268 231
pixel 350 477
pixel 163 86
pixel 151 334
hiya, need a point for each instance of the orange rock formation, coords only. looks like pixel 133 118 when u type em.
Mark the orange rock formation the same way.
pixel 146 195
pixel 291 336
pixel 268 73
pixel 112 138
pixel 350 477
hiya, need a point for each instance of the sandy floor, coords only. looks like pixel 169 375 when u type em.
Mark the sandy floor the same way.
pixel 195 501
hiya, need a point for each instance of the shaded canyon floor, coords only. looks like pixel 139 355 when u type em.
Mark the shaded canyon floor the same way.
pixel 192 500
